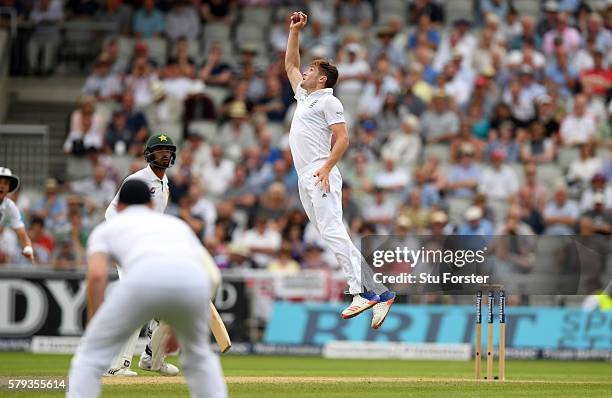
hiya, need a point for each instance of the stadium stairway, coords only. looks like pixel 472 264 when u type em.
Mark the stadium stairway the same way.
pixel 45 102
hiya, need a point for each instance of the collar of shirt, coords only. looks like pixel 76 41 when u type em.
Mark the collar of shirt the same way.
pixel 322 91
pixel 137 209
pixel 154 177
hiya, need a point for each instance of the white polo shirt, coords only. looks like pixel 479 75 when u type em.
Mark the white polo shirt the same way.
pixel 310 133
pixel 158 188
pixel 139 236
pixel 9 214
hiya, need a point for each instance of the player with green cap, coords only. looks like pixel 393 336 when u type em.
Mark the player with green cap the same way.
pixel 160 154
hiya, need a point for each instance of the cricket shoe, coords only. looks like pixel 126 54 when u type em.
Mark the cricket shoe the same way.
pixel 166 369
pixel 124 371
pixel 381 309
pixel 361 302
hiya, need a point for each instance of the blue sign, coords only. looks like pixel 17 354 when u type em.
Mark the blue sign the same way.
pixel 526 327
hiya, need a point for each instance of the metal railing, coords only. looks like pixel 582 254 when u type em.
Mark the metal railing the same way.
pixel 25 150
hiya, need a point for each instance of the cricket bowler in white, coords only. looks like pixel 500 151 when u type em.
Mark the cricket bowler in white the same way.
pixel 9 213
pixel 160 154
pixel 167 275
pixel 318 116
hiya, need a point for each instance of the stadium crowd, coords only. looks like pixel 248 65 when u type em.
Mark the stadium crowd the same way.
pixel 497 124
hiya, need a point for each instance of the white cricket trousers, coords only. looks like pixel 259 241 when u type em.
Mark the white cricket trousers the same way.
pixel 324 209
pixel 178 294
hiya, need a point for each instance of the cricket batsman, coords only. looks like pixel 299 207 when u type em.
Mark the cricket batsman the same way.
pixel 319 116
pixel 167 274
pixel 160 154
pixel 9 213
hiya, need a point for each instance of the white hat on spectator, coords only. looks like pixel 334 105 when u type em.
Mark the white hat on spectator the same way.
pixel 412 121
pixel 551 6
pixel 354 48
pixel 473 213
pixel 599 198
pixel 439 217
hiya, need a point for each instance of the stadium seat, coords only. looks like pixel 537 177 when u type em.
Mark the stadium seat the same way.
pixel 456 209
pixel 256 15
pixel 247 32
pixel 193 50
pixel 549 175
pixel 216 31
pixel 174 130
pixel 122 163
pixel 527 7
pixel 456 9
pixel 204 128
pixel 126 49
pixel 78 168
pixel 566 156
pixel 500 208
pixel 158 49
pixel 277 130
pixel 519 171
pixel 441 151
pixel 217 95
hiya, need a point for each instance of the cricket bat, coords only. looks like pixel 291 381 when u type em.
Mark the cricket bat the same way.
pixel 218 329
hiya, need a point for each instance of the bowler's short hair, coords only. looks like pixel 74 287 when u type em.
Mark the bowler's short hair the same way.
pixel 327 69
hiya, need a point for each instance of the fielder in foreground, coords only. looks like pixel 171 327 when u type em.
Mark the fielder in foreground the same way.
pixel 319 116
pixel 167 275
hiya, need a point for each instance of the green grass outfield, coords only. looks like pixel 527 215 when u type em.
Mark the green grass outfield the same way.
pixel 296 377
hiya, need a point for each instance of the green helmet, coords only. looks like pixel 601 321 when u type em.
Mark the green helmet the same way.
pixel 159 141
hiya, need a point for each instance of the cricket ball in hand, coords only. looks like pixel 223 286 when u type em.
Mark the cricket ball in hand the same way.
pixel 295 18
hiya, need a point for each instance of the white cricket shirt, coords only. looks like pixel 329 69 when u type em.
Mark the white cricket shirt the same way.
pixel 9 215
pixel 310 134
pixel 139 236
pixel 158 188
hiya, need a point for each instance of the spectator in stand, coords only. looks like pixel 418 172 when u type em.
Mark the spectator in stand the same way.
pixel 237 134
pixel 217 175
pixel 217 11
pixel 273 205
pixel 549 116
pixel 600 215
pixel 272 103
pixel 463 177
pixel 81 9
pixel 353 71
pixel 216 72
pixel 426 28
pixel 568 36
pixel 313 258
pixel 598 77
pixel 598 186
pixel 283 264
pixel 537 147
pixel 583 169
pixel 103 83
pixel 537 190
pixel 118 14
pixel 391 178
pixel 262 240
pixel 561 214
pixel 69 255
pixel 381 211
pixel 86 128
pixel 439 124
pixel 45 38
pixel 562 73
pixel 404 146
pixel 475 223
pixel 464 138
pixel 352 11
pixel 428 7
pixel 238 192
pixel 140 82
pixel 531 213
pixel 499 8
pixel 240 90
pixel 97 189
pixel 579 126
pixel 498 181
pixel 239 257
pixel 148 21
pixel 505 142
pixel 385 46
pixel 417 214
pixel 42 242
pixel 183 20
